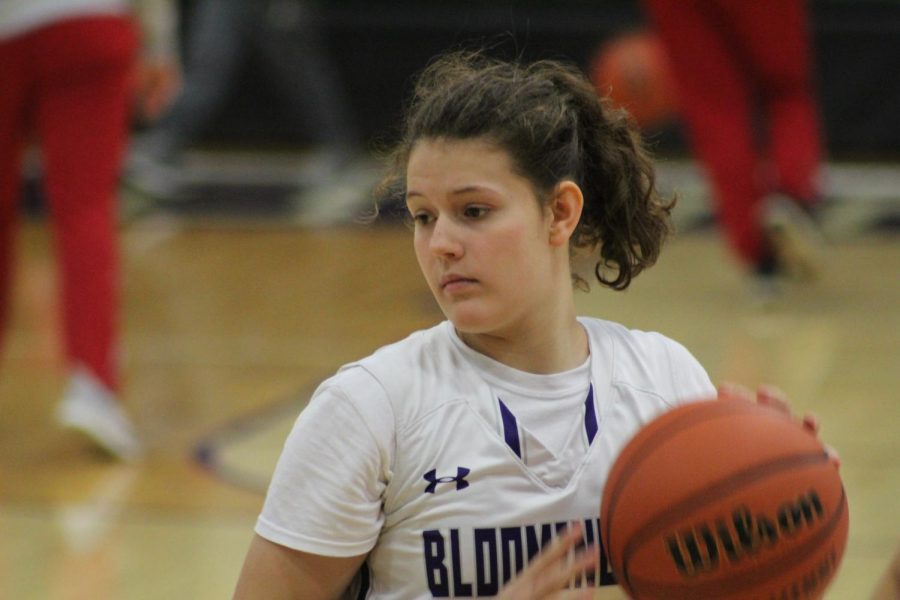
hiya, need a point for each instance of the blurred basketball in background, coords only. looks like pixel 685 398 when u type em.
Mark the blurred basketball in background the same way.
pixel 633 70
pixel 724 500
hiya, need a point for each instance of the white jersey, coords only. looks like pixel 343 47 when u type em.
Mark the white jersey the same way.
pixel 412 456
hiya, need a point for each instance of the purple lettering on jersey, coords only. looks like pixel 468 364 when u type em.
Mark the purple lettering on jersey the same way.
pixel 532 541
pixel 435 570
pixel 461 589
pixel 511 551
pixel 496 563
pixel 486 575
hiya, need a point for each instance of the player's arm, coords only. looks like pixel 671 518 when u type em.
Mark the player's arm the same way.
pixel 275 572
pixel 158 75
pixel 323 509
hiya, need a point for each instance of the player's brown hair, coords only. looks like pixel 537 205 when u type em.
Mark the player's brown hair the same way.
pixel 551 121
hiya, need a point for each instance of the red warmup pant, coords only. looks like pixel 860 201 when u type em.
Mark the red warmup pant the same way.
pixel 738 63
pixel 70 84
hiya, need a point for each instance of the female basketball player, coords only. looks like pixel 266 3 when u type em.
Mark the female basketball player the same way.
pixel 442 464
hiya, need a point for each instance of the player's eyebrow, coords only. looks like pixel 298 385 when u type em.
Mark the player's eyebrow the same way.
pixel 466 189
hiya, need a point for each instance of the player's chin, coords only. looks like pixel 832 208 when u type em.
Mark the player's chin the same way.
pixel 470 317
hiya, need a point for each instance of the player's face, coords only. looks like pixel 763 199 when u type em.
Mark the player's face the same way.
pixel 481 236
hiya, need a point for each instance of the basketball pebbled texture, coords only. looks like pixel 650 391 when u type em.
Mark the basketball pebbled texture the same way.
pixel 724 499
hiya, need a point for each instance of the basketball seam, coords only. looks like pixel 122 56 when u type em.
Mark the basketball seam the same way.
pixel 714 489
pixel 723 409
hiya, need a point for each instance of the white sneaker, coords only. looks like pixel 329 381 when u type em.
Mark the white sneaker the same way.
pixel 90 408
pixel 344 199
pixel 764 291
pixel 795 237
pixel 148 174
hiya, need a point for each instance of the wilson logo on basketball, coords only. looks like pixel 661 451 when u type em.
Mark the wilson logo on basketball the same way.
pixel 701 548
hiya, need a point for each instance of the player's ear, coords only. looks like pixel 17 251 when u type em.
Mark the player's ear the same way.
pixel 565 209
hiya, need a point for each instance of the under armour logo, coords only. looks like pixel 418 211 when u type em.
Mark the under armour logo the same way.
pixel 433 480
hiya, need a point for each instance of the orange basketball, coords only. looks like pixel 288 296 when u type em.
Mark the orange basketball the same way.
pixel 724 499
pixel 633 71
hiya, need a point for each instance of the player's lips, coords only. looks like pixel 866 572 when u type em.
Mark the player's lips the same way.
pixel 452 281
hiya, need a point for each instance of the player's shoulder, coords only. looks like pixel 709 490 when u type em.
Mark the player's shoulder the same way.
pixel 638 357
pixel 420 353
pixel 627 342
pixel 411 374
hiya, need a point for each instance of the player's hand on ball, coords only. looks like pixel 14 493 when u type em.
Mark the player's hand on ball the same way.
pixel 552 570
pixel 773 397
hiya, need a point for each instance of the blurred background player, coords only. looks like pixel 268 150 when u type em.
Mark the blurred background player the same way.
pixel 743 73
pixel 68 69
pixel 285 36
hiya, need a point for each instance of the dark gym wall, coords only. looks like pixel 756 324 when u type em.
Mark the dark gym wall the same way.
pixel 379 44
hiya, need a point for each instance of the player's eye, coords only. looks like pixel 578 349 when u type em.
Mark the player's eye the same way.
pixel 422 218
pixel 474 211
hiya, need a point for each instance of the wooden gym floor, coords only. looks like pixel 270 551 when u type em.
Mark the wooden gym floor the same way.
pixel 228 327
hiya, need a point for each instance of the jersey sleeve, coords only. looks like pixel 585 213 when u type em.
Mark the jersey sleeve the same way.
pixel 326 493
pixel 690 380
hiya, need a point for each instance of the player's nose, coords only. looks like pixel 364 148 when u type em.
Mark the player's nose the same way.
pixel 446 239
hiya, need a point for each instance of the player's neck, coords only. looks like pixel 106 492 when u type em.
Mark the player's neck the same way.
pixel 539 348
